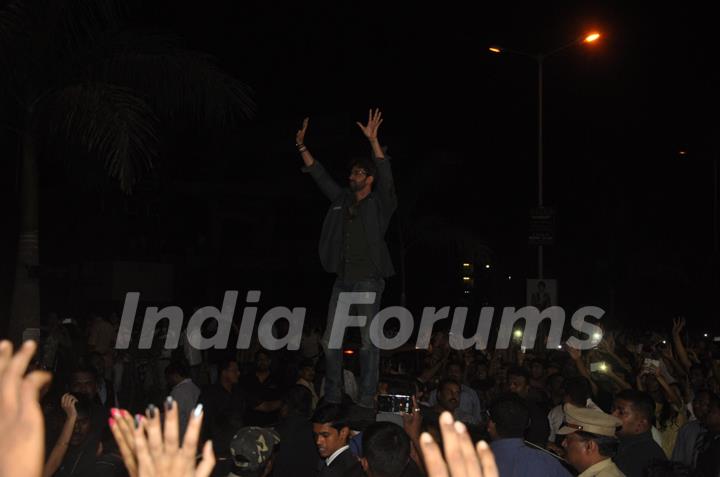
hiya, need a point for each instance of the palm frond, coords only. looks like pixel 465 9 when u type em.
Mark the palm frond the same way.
pixel 179 83
pixel 73 24
pixel 110 122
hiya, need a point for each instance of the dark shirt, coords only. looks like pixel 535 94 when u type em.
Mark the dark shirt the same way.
pixel 376 212
pixel 256 393
pixel 357 264
pixel 635 453
pixel 515 458
pixel 80 460
pixel 708 461
pixel 223 416
pixel 538 431
pixel 297 453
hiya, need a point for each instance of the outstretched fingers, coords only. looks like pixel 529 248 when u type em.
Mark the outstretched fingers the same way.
pixel 434 462
pixel 171 430
pixel 124 446
pixel 487 460
pixel 207 463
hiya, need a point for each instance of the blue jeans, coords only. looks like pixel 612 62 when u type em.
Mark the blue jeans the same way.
pixel 369 353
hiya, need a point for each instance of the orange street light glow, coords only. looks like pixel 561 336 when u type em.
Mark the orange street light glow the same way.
pixel 494 49
pixel 592 37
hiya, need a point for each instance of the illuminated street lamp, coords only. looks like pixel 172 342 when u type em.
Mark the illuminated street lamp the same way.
pixel 540 59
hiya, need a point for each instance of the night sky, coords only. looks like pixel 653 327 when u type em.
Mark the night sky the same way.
pixel 634 216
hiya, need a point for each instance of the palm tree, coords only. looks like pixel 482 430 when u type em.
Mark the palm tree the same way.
pixel 73 77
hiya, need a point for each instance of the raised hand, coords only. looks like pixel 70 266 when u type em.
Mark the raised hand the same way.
pixel 148 450
pixel 412 422
pixel 678 325
pixel 461 459
pixel 370 130
pixel 300 135
pixel 22 431
pixel 574 353
pixel 67 402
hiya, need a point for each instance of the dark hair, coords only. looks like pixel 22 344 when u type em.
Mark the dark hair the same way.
pixel 607 446
pixel 262 351
pixel 460 364
pixel 519 371
pixel 333 414
pixel 510 415
pixel 386 447
pixel 364 163
pixel 399 384
pixel 444 382
pixel 177 367
pixel 298 400
pixel 85 369
pixel 306 363
pixel 579 390
pixel 537 361
pixel 225 363
pixel 641 402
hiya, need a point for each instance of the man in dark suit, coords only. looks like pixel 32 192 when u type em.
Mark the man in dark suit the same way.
pixel 352 246
pixel 332 434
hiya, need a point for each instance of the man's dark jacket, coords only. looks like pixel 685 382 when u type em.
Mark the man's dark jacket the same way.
pixel 344 465
pixel 375 212
pixel 636 453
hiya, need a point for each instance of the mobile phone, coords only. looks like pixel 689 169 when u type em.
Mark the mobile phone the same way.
pixel 396 403
pixel 598 367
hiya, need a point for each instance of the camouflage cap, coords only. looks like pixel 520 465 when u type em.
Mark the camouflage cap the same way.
pixel 251 448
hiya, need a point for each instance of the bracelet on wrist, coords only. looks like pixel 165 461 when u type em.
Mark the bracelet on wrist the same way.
pixel 302 148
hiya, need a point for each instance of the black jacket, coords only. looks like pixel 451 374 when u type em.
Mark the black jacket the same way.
pixel 376 210
pixel 344 465
pixel 636 453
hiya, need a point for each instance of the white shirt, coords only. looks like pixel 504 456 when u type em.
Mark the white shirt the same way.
pixel 350 388
pixel 329 460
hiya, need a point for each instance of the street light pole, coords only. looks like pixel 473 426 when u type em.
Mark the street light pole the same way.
pixel 540 58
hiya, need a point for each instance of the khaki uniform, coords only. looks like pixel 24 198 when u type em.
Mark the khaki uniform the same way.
pixel 605 468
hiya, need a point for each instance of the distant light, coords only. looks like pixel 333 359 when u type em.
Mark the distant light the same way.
pixel 597 336
pixel 603 367
pixel 467 292
pixel 487 266
pixel 466 279
pixel 682 153
pixel 664 342
pixel 517 333
pixel 349 352
pixel 509 277
pixel 559 346
pixel 495 49
pixel 466 265
pixel 592 37
pixel 705 335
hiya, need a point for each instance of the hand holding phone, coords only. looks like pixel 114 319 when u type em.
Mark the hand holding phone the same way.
pixel 395 403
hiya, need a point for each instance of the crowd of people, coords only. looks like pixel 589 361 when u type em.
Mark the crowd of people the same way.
pixel 638 404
